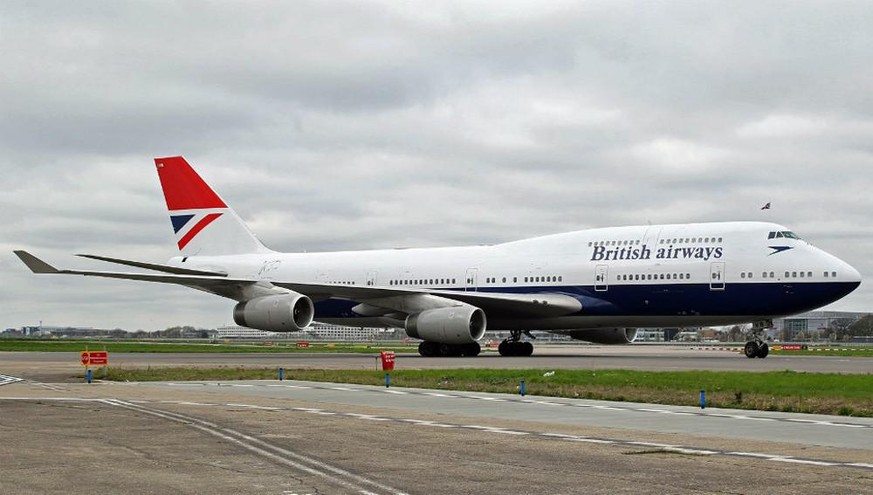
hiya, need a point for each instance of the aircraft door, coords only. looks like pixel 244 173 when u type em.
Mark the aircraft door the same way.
pixel 716 276
pixel 601 278
pixel 371 278
pixel 471 282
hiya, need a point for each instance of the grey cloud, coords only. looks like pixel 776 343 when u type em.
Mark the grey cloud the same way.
pixel 345 125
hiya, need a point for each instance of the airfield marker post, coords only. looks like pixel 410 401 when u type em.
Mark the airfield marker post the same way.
pixel 281 374
pixel 387 380
pixel 88 375
pixel 703 399
pixel 521 389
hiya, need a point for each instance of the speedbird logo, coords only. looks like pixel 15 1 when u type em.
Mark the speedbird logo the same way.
pixel 181 221
pixel 703 253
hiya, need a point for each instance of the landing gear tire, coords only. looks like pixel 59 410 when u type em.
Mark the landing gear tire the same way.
pixel 755 349
pixel 521 349
pixel 433 349
pixel 471 350
pixel 428 349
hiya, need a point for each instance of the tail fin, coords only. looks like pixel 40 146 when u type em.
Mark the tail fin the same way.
pixel 203 223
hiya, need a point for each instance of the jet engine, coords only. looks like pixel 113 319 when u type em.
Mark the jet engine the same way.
pixel 604 335
pixel 290 312
pixel 450 325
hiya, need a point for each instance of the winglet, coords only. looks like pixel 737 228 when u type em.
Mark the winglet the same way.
pixel 35 264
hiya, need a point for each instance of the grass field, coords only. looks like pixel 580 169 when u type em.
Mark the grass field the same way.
pixel 33 345
pixel 821 393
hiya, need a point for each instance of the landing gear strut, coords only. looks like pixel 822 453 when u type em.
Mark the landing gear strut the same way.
pixel 434 349
pixel 513 346
pixel 757 347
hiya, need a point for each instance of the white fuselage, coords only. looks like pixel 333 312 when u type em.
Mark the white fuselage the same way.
pixel 659 275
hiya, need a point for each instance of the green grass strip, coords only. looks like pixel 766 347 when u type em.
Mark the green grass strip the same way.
pixel 820 393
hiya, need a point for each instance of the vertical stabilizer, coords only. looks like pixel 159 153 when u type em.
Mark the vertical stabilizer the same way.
pixel 203 223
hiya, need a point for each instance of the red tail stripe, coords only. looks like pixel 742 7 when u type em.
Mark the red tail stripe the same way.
pixel 183 187
pixel 196 229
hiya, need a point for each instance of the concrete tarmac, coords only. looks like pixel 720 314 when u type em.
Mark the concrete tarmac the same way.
pixel 60 435
pixel 303 437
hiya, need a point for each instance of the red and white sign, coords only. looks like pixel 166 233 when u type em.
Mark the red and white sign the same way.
pixel 94 358
pixel 303 344
pixel 387 360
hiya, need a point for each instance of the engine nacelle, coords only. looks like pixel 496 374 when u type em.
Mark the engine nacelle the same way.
pixel 604 335
pixel 280 313
pixel 451 325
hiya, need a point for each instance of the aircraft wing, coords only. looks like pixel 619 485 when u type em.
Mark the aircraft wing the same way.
pixel 520 305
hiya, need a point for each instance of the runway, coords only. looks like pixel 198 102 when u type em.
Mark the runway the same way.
pixel 64 366
pixel 306 437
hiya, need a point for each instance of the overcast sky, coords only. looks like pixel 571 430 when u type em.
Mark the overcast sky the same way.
pixel 358 125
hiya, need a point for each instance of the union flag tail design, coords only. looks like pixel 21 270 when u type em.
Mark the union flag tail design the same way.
pixel 203 223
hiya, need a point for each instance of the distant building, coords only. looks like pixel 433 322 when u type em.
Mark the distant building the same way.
pixel 813 325
pixel 316 331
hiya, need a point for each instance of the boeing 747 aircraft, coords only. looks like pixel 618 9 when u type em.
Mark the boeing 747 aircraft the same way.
pixel 597 285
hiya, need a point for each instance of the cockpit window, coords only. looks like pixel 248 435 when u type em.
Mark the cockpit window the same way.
pixel 785 233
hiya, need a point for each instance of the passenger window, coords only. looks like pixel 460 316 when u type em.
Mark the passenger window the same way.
pixel 809 274
pixel 826 274
pixel 743 275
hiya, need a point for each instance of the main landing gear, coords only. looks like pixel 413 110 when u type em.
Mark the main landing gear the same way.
pixel 757 348
pixel 513 346
pixel 434 349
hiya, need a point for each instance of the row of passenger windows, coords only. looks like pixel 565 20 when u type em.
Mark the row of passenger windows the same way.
pixel 690 240
pixel 654 276
pixel 790 275
pixel 687 276
pixel 675 240
pixel 424 281
pixel 560 278
pixel 548 278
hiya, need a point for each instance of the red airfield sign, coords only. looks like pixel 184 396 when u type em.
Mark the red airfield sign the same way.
pixel 94 358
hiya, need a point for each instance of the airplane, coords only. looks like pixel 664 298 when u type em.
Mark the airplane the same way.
pixel 597 285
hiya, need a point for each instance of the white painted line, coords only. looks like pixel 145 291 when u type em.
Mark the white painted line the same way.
pixel 591 440
pixel 801 461
pixel 507 432
pixel 750 454
pixel 251 406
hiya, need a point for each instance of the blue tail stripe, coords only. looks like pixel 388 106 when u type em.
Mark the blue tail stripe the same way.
pixel 179 221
